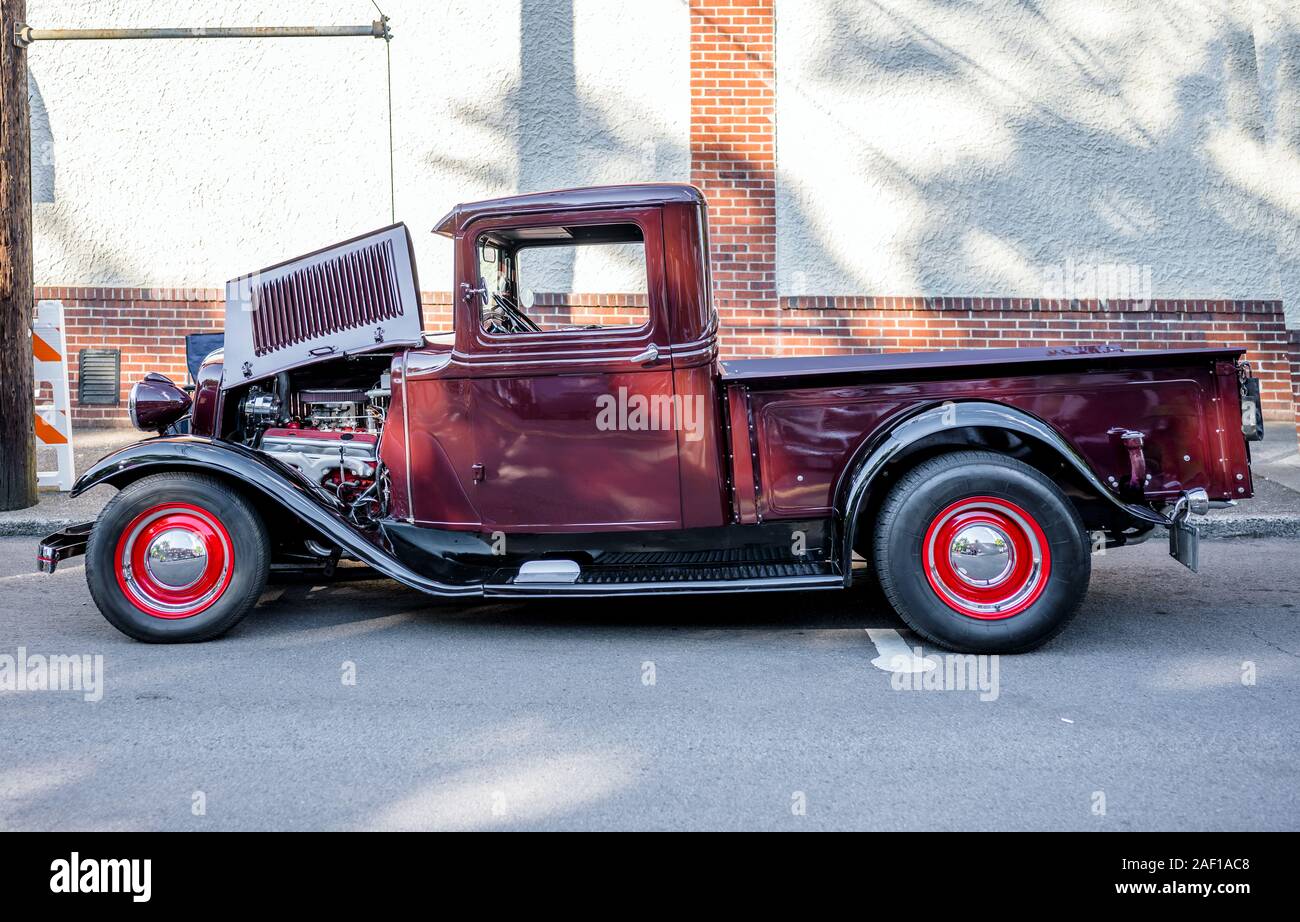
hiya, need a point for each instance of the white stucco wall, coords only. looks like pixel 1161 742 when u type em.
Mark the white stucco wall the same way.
pixel 1271 163
pixel 929 147
pixel 186 163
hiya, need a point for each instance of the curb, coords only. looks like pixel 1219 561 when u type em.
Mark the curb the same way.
pixel 1250 526
pixel 31 528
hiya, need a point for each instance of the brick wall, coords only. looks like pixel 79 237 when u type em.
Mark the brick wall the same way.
pixel 554 309
pixel 733 145
pixel 149 326
pixel 830 326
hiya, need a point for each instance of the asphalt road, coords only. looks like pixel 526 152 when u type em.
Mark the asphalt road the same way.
pixel 765 712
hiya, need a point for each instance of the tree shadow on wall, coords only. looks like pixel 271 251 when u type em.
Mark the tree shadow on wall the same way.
pixel 1104 175
pixel 42 146
pixel 558 138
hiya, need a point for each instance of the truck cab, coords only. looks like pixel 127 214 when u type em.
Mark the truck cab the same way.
pixel 571 410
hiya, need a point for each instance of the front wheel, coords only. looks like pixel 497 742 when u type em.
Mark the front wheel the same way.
pixel 981 553
pixel 177 558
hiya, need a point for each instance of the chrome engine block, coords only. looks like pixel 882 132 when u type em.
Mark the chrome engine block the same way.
pixel 321 454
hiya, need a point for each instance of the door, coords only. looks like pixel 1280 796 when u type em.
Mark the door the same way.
pixel 574 415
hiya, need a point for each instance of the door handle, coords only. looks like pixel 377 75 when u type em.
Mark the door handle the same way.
pixel 647 356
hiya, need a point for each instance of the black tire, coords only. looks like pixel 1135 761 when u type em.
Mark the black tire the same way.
pixel 917 519
pixel 240 576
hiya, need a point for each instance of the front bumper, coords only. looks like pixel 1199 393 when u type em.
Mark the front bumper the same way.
pixel 71 542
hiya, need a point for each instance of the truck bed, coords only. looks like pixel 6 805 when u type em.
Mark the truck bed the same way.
pixel 796 424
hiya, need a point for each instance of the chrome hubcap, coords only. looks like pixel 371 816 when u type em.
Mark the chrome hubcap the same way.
pixel 981 555
pixel 986 557
pixel 176 558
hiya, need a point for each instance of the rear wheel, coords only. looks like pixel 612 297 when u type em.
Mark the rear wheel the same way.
pixel 981 553
pixel 177 558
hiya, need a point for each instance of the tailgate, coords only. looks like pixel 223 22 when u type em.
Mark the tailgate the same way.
pixel 1232 478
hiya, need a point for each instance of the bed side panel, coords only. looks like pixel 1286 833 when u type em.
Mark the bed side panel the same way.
pixel 808 435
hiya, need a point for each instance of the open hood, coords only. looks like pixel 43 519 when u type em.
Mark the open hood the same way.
pixel 356 296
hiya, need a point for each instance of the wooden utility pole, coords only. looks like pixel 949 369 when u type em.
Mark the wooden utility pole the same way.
pixel 17 437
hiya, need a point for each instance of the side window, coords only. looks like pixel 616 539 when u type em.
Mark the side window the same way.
pixel 557 279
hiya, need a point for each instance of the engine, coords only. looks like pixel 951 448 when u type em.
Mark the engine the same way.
pixel 331 435
pixel 344 463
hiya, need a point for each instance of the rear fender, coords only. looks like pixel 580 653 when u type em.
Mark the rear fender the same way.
pixel 272 479
pixel 861 477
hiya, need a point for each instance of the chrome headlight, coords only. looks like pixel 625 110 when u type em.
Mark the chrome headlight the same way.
pixel 155 403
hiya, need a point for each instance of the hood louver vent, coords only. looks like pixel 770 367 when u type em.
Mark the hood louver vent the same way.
pixel 356 289
pixel 353 297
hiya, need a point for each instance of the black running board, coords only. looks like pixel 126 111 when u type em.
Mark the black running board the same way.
pixel 674 577
pixel 778 584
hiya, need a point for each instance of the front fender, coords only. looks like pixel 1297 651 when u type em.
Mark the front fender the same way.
pixel 856 484
pixel 271 478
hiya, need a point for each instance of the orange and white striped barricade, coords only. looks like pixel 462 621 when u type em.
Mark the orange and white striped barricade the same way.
pixel 53 419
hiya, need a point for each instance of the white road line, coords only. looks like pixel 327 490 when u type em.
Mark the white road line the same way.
pixel 895 654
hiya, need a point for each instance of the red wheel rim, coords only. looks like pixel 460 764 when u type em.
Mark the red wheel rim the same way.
pixel 174 560
pixel 986 558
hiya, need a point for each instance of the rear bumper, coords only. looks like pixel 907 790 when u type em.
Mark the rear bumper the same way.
pixel 71 542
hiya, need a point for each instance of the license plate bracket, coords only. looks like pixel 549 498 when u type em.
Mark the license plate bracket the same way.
pixel 1185 544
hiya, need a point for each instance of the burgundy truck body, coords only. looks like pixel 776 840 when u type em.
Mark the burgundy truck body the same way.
pixel 478 461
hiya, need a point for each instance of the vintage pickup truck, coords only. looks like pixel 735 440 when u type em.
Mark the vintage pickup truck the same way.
pixel 598 446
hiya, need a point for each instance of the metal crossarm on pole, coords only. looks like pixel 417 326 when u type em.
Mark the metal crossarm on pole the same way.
pixel 24 34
